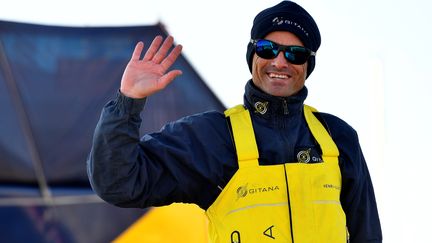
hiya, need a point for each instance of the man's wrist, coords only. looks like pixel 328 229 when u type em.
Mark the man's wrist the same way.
pixel 130 104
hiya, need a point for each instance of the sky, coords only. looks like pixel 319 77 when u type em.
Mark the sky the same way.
pixel 372 71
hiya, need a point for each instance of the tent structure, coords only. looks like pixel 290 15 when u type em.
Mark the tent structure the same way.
pixel 54 81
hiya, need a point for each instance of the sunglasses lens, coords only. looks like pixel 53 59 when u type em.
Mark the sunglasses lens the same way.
pixel 266 49
pixel 297 54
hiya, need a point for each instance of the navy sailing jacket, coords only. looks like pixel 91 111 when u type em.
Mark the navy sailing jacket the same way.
pixel 192 159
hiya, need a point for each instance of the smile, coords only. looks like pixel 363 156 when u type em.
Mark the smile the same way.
pixel 281 76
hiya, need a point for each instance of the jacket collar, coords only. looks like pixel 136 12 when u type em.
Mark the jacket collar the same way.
pixel 268 106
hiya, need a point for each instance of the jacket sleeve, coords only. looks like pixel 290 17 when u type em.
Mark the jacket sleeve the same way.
pixel 167 166
pixel 357 194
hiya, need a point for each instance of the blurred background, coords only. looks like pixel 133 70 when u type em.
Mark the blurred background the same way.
pixel 372 71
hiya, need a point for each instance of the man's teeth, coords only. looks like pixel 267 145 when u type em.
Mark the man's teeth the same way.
pixel 273 75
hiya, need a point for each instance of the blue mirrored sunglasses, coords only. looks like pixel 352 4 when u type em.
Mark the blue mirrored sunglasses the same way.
pixel 294 54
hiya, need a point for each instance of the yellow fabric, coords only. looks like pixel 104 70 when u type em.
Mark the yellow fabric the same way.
pixel 178 222
pixel 247 150
pixel 319 132
pixel 291 202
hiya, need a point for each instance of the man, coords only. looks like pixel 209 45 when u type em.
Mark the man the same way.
pixel 272 170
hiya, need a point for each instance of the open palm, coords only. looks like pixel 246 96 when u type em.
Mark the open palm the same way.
pixel 144 77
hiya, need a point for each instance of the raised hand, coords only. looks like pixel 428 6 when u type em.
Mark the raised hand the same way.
pixel 145 77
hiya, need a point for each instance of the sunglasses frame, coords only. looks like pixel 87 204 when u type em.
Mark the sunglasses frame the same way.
pixel 285 49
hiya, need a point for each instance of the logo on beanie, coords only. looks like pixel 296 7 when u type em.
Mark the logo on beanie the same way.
pixel 281 21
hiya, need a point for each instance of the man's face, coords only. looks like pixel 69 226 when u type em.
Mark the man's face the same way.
pixel 277 76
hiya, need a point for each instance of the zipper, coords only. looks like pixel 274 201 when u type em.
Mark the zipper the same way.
pixel 285 107
pixel 281 119
pixel 289 205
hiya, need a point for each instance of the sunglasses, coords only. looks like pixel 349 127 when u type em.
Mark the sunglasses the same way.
pixel 293 54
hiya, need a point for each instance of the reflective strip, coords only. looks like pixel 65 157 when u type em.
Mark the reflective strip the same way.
pixel 258 205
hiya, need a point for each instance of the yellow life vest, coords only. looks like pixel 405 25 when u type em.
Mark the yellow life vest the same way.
pixel 291 202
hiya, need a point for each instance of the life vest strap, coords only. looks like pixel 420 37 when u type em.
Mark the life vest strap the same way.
pixel 328 147
pixel 244 137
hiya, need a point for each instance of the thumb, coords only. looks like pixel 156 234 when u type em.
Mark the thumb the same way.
pixel 168 78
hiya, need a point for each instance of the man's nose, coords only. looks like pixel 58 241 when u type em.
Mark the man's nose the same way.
pixel 280 61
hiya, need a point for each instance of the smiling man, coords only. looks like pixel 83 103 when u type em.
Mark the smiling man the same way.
pixel 273 73
pixel 270 170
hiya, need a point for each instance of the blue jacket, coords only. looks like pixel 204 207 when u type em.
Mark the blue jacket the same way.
pixel 192 159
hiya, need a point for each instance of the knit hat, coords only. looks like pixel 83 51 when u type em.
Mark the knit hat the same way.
pixel 286 16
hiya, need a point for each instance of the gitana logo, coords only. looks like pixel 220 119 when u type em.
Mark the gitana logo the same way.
pixel 261 107
pixel 242 191
pixel 282 20
pixel 304 156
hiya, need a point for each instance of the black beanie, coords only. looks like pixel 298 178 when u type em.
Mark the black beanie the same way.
pixel 286 16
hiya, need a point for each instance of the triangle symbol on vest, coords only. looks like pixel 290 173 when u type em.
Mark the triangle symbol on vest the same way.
pixel 269 232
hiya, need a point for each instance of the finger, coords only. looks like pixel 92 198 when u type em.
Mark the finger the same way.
pixel 163 50
pixel 153 48
pixel 168 78
pixel 172 57
pixel 137 51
